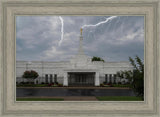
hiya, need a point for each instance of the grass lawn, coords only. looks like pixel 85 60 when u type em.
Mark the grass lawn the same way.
pixel 119 98
pixel 39 99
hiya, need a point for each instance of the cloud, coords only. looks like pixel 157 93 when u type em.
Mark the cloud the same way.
pixel 65 51
pixel 38 37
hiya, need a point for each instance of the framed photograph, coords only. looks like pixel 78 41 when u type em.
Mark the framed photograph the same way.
pixel 79 58
pixel 85 62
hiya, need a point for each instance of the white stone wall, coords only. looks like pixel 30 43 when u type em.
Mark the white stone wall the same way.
pixel 43 67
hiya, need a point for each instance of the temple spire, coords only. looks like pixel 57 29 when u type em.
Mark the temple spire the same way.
pixel 81 31
pixel 80 51
pixel 80 60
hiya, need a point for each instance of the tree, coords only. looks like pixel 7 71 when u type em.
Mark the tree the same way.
pixel 30 75
pixel 135 77
pixel 126 74
pixel 94 58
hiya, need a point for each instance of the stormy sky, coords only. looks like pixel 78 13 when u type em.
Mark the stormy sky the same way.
pixel 38 37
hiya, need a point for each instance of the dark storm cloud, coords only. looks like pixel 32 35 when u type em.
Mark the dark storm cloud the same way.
pixel 116 40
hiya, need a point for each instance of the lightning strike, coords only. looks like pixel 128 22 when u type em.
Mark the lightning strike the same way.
pixel 84 26
pixel 62 30
pixel 107 19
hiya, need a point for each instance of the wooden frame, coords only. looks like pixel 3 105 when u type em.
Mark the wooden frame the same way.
pixel 10 9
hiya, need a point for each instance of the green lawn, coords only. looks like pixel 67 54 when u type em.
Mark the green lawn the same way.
pixel 119 98
pixel 39 99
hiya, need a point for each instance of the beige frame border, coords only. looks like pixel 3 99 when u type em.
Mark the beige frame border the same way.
pixel 148 107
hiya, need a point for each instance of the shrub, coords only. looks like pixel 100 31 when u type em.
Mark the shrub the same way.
pixel 30 74
pixel 56 82
pixel 127 83
pixel 101 84
pixel 22 82
pixel 60 85
pixel 104 82
pixel 50 85
pixel 135 77
pixel 94 58
pixel 111 85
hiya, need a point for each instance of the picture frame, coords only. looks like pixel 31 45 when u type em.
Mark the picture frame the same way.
pixel 9 105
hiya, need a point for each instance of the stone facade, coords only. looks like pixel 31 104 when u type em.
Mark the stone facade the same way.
pixel 79 70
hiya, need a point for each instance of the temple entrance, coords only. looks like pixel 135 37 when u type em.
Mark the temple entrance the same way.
pixel 81 78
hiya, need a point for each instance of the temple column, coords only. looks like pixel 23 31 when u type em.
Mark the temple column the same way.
pixel 48 78
pixel 115 80
pixel 65 79
pixel 112 78
pixel 35 81
pixel 97 79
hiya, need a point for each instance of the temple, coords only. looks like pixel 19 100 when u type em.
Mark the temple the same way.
pixel 79 71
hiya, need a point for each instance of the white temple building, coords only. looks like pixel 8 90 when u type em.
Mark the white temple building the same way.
pixel 79 71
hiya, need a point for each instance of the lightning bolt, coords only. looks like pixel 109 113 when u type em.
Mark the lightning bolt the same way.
pixel 62 30
pixel 84 26
pixel 107 19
